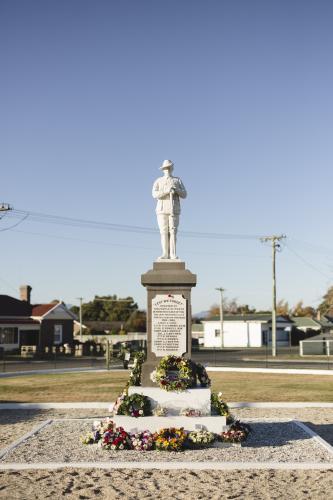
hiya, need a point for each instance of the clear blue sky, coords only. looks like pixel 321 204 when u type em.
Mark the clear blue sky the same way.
pixel 96 94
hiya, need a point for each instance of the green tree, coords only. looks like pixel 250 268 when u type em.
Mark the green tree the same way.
pixel 107 308
pixel 137 322
pixel 326 306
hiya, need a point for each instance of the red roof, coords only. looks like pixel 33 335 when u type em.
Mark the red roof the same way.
pixel 41 309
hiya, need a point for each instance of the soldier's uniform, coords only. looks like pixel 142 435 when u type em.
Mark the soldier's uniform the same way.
pixel 167 191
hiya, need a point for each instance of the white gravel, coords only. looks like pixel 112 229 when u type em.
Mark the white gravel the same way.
pixel 269 441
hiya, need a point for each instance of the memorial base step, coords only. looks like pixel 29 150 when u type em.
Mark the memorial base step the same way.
pixel 130 424
pixel 196 399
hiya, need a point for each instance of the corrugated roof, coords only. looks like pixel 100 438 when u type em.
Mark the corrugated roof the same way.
pixel 305 322
pixel 41 309
pixel 326 321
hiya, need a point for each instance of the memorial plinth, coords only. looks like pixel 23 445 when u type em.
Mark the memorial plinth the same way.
pixel 169 316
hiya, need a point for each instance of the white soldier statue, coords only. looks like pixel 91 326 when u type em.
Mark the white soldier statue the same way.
pixel 167 190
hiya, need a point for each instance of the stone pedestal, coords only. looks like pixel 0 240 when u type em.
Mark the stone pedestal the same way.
pixel 175 402
pixel 169 315
pixel 153 424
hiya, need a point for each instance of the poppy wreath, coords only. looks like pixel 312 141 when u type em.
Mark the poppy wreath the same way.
pixel 174 373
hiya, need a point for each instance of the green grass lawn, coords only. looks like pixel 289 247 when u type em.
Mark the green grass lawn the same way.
pixel 76 387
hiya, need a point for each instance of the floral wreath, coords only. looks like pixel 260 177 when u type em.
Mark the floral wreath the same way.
pixel 218 406
pixel 171 439
pixel 182 380
pixel 135 405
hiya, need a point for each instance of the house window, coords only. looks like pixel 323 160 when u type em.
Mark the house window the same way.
pixel 57 338
pixel 8 335
pixel 217 333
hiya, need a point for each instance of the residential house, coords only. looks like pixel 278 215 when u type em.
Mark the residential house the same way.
pixel 41 325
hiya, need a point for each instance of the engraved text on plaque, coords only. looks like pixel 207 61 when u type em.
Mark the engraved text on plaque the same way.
pixel 169 325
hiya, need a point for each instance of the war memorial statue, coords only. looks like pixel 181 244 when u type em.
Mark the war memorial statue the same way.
pixel 167 190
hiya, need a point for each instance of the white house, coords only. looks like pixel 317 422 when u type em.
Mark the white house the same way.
pixel 249 330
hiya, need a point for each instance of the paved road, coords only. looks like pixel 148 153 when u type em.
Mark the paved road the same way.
pixel 245 358
pixel 8 365
pixel 229 358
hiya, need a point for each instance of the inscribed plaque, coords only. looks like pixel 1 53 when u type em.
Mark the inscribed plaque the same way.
pixel 169 325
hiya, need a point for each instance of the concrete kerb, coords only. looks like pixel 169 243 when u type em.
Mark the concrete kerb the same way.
pixel 26 436
pixel 294 371
pixel 291 371
pixel 107 405
pixel 315 436
pixel 171 465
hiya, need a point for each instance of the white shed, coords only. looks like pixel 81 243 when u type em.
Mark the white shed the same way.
pixel 250 330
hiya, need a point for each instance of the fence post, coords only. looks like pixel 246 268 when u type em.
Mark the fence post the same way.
pixel 107 354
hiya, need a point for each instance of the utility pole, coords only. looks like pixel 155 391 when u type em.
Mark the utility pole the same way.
pixel 275 247
pixel 221 290
pixel 80 299
pixel 5 207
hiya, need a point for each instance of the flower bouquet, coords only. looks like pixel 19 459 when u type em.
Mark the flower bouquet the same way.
pixel 190 412
pixel 116 439
pixel 218 406
pixel 237 433
pixel 119 401
pixel 98 429
pixel 200 439
pixel 142 441
pixel 160 411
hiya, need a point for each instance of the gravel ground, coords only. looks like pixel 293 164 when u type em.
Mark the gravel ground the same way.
pixel 158 484
pixel 165 485
pixel 14 423
pixel 268 442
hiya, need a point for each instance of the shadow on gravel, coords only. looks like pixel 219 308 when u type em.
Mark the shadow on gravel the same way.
pixel 274 434
pixel 325 431
pixel 8 417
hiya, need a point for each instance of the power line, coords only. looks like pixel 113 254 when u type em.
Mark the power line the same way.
pixel 16 224
pixel 306 262
pixel 93 224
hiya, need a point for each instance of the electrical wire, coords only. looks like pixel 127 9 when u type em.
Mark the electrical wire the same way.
pixel 92 224
pixel 312 247
pixel 96 242
pixel 286 245
pixel 16 224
